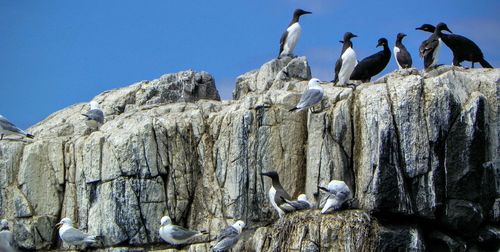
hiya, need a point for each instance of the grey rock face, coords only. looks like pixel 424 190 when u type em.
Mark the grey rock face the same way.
pixel 420 148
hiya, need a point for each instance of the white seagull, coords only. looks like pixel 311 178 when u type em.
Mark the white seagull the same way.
pixel 73 236
pixel 338 193
pixel 176 235
pixel 228 237
pixel 95 116
pixel 6 240
pixel 8 128
pixel 311 96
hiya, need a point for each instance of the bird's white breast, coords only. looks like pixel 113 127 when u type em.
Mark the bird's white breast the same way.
pixel 435 54
pixel 349 62
pixel 294 32
pixel 396 51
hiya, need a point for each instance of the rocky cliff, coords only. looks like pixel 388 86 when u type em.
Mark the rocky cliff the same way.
pixel 420 152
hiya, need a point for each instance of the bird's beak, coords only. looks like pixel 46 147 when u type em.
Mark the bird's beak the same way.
pixel 322 188
pixel 379 44
pixel 404 35
pixel 418 28
pixel 324 82
pixel 354 36
pixel 448 30
pixel 263 174
pixel 341 41
pixel 58 225
pixel 307 12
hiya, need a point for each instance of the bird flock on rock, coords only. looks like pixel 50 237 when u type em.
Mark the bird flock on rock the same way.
pixel 347 68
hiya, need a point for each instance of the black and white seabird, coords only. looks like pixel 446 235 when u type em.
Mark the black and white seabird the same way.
pixel 73 236
pixel 463 48
pixel 291 36
pixel 300 204
pixel 176 235
pixel 311 96
pixel 8 128
pixel 95 116
pixel 403 57
pixel 277 195
pixel 346 62
pixel 228 237
pixel 338 193
pixel 429 49
pixel 374 64
pixel 6 237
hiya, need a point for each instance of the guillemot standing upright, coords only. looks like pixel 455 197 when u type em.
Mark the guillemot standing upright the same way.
pixel 372 65
pixel 291 36
pixel 463 48
pixel 403 57
pixel 277 195
pixel 346 62
pixel 429 49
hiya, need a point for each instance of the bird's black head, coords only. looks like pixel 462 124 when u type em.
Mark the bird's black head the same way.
pixel 271 174
pixel 382 42
pixel 348 36
pixel 442 27
pixel 300 12
pixel 426 27
pixel 401 35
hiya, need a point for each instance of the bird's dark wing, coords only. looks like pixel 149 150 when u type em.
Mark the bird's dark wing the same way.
pixel 96 115
pixel 309 98
pixel 8 126
pixel 364 69
pixel 462 47
pixel 404 57
pixel 225 244
pixel 291 206
pixel 282 41
pixel 181 233
pixel 227 232
pixel 280 195
pixel 338 66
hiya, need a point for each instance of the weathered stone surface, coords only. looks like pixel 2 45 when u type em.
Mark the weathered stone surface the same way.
pixel 421 147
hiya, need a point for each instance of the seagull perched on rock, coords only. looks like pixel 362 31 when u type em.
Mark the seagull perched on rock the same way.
pixel 277 195
pixel 8 128
pixel 291 36
pixel 6 240
pixel 228 237
pixel 300 204
pixel 338 193
pixel 311 96
pixel 176 235
pixel 95 116
pixel 73 236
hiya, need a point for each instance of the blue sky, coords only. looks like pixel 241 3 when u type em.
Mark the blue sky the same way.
pixel 57 53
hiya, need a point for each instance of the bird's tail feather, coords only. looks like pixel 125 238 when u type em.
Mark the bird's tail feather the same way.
pixel 485 64
pixel 91 239
pixel 322 188
pixel 28 135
